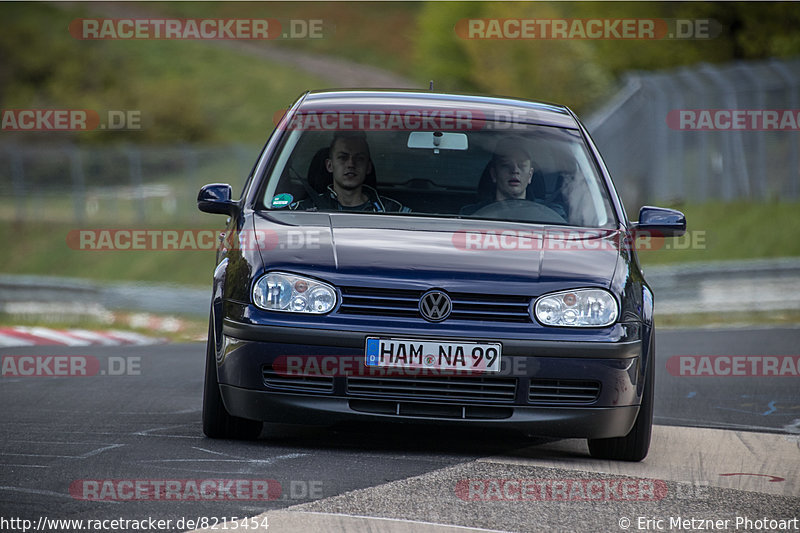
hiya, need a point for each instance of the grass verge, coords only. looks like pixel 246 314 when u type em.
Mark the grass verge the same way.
pixel 717 232
pixel 43 249
pixel 720 231
pixel 183 90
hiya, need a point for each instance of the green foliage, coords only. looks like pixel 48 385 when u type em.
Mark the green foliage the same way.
pixel 440 55
pixel 195 91
pixel 718 231
pixel 714 235
pixel 39 246
pixel 375 33
pixel 752 30
pixel 551 70
pixel 583 73
pixel 42 63
pixel 184 91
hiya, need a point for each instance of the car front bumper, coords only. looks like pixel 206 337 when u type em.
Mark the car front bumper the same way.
pixel 580 389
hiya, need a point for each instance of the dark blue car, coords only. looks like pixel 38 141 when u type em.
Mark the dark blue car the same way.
pixel 432 258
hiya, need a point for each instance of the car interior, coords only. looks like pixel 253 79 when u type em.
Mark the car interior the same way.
pixel 433 181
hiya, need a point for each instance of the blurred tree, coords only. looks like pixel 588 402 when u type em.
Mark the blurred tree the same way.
pixel 555 70
pixel 43 66
pixel 754 30
pixel 583 73
pixel 440 54
pixel 41 62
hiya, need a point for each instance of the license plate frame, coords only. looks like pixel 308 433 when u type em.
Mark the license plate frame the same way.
pixel 433 354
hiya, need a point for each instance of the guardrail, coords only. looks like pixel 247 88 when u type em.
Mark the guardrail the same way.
pixel 18 292
pixel 735 286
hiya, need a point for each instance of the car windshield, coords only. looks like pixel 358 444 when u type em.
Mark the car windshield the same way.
pixel 502 171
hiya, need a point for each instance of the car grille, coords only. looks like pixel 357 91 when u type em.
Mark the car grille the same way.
pixel 471 389
pixel 563 391
pixel 430 410
pixel 283 381
pixel 441 388
pixel 405 304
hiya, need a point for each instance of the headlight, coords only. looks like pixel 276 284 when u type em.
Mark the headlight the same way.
pixel 578 308
pixel 278 291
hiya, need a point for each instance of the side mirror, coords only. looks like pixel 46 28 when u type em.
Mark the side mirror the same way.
pixel 216 198
pixel 660 222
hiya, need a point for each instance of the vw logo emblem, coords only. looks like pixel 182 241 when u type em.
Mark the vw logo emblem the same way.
pixel 435 306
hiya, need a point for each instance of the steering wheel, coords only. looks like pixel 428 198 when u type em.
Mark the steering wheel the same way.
pixel 519 209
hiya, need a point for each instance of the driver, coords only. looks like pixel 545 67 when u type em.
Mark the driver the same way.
pixel 511 171
pixel 349 162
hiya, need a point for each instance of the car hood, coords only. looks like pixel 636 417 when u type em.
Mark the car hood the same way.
pixel 450 253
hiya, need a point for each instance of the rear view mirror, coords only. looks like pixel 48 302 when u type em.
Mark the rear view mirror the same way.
pixel 437 140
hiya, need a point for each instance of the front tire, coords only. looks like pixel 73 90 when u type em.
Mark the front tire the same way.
pixel 635 445
pixel 217 422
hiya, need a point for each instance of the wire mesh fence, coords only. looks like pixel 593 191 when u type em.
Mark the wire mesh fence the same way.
pixel 125 184
pixel 709 132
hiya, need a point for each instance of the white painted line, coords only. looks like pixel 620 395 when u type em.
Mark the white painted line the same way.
pixel 52 441
pixel 266 461
pixel 95 337
pixel 72 334
pixel 72 337
pixel 51 456
pixel 90 453
pixel 131 338
pixel 98 451
pixel 42 492
pixel 746 427
pixel 146 432
pixel 210 451
pixel 10 340
pixel 53 335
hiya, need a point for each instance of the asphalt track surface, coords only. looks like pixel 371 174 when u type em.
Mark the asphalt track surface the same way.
pixel 744 464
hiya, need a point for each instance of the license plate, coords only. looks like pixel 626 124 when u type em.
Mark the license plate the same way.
pixel 410 353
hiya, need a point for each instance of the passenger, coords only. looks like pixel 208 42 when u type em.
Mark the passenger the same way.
pixel 349 162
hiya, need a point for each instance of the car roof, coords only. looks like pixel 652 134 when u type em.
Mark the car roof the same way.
pixel 490 107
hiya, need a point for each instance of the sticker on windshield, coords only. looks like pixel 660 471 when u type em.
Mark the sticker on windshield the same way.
pixel 282 200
